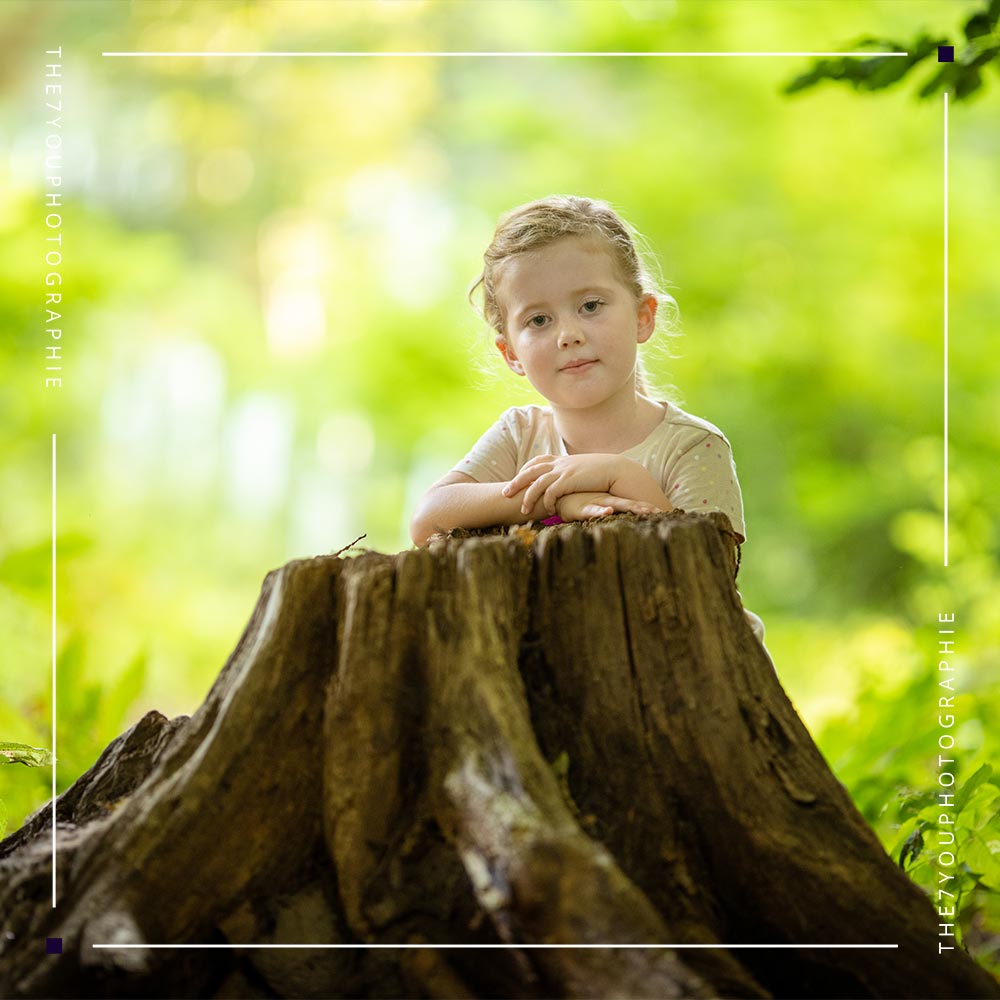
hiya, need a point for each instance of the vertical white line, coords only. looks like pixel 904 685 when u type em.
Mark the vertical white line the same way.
pixel 53 671
pixel 946 328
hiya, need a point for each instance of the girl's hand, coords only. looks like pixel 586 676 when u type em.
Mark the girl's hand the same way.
pixel 550 477
pixel 581 506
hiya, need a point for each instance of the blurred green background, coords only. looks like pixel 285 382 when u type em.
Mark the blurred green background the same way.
pixel 268 350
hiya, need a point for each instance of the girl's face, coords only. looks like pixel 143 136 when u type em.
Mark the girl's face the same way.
pixel 565 304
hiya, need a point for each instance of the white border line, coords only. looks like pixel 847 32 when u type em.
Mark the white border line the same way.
pixel 501 55
pixel 521 55
pixel 53 671
pixel 946 328
pixel 517 946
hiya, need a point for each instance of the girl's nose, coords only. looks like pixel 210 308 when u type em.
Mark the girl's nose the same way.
pixel 569 333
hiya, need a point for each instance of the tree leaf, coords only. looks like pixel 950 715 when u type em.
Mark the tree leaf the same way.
pixel 984 773
pixel 913 802
pixel 22 753
pixel 983 859
pixel 968 83
pixel 977 25
pixel 874 70
pixel 979 54
pixel 939 80
pixel 912 847
pixel 983 22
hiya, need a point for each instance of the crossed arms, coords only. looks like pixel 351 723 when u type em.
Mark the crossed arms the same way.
pixel 575 487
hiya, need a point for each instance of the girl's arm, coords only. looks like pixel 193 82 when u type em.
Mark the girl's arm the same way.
pixel 583 506
pixel 636 482
pixel 549 477
pixel 459 501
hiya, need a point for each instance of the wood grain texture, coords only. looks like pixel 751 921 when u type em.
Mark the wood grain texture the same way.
pixel 511 738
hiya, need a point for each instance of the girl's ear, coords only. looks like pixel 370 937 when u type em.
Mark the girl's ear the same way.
pixel 508 355
pixel 646 317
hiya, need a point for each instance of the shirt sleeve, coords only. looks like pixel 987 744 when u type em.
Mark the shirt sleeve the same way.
pixel 493 458
pixel 703 478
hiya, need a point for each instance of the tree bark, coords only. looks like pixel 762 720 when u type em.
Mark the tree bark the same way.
pixel 564 736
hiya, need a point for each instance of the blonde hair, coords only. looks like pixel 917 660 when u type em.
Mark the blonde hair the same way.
pixel 540 223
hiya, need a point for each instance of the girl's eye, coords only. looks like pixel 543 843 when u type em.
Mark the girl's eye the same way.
pixel 541 321
pixel 592 305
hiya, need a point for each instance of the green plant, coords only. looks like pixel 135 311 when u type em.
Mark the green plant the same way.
pixel 20 753
pixel 962 77
pixel 953 852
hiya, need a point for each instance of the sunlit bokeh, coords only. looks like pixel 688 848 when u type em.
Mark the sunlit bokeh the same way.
pixel 269 354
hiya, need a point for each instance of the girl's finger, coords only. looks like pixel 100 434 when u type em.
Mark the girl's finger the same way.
pixel 516 484
pixel 526 475
pixel 534 491
pixel 551 498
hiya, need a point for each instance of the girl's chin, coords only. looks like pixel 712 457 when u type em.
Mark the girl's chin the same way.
pixel 580 400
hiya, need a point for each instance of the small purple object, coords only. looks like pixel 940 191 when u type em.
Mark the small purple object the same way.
pixel 946 53
pixel 53 946
pixel 554 519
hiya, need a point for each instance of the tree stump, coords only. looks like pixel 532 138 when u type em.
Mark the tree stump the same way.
pixel 562 736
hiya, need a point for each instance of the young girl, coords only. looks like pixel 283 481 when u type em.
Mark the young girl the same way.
pixel 568 297
pixel 570 301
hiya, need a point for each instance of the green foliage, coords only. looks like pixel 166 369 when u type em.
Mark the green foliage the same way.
pixel 953 853
pixel 88 707
pixel 975 822
pixel 29 568
pixel 961 78
pixel 21 753
pixel 950 846
pixel 876 73
pixel 269 350
pixel 89 712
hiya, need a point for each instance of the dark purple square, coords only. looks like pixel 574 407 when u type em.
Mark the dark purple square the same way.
pixel 53 946
pixel 946 53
